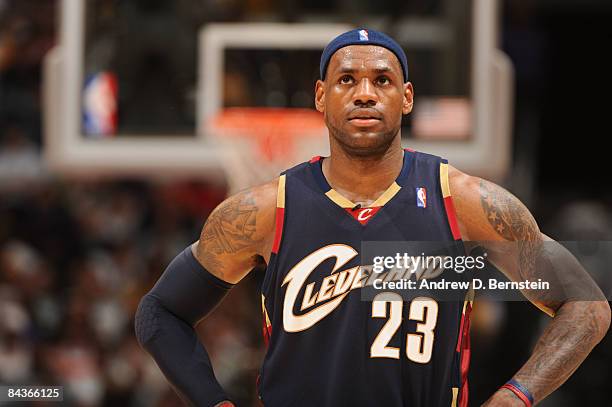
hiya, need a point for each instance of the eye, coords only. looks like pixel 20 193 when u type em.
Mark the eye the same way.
pixel 383 80
pixel 346 79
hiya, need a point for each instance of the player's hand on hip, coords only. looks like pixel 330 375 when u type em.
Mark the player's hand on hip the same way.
pixel 503 398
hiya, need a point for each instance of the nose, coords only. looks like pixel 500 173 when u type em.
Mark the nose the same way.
pixel 365 94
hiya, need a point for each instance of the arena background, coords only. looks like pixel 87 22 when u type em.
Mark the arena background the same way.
pixel 77 253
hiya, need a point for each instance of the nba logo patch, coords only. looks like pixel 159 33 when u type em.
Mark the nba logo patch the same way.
pixel 363 35
pixel 421 197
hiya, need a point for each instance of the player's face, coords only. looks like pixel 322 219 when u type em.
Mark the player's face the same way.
pixel 363 98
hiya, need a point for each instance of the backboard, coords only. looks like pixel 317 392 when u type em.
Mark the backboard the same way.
pixel 463 83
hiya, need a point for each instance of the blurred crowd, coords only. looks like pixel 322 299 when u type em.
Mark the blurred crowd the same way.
pixel 76 257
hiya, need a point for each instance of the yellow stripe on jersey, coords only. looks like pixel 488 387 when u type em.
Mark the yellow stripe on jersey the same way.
pixel 280 197
pixel 551 312
pixel 381 201
pixel 387 195
pixel 444 180
pixel 339 199
pixel 455 394
pixel 264 311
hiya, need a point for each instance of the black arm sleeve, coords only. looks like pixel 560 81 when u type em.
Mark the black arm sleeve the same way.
pixel 185 293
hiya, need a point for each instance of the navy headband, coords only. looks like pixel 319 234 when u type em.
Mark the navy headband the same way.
pixel 361 36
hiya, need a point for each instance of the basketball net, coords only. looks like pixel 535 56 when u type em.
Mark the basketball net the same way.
pixel 258 143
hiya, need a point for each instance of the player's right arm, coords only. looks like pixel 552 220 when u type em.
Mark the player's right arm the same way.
pixel 237 235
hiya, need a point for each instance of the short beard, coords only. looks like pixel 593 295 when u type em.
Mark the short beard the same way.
pixel 374 152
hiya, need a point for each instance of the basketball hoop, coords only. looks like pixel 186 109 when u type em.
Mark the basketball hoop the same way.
pixel 259 143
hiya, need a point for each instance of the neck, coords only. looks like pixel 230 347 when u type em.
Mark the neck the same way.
pixel 362 179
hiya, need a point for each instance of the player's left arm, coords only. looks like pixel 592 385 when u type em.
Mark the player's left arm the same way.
pixel 504 227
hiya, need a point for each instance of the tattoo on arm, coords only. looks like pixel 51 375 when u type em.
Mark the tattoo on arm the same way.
pixel 512 221
pixel 506 214
pixel 565 343
pixel 230 228
pixel 577 325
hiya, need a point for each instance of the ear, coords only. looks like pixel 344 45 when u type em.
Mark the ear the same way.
pixel 408 98
pixel 320 96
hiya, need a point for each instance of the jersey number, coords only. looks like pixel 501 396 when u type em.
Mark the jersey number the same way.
pixel 419 346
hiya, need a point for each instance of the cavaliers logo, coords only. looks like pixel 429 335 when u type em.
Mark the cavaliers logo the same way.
pixel 334 287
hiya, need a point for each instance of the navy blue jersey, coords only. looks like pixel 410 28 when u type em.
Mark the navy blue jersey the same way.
pixel 326 344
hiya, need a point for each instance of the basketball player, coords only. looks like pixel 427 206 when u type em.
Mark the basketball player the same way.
pixel 325 345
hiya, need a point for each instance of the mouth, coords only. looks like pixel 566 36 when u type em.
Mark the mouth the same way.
pixel 364 122
pixel 364 117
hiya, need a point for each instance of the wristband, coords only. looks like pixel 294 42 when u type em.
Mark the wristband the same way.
pixel 520 391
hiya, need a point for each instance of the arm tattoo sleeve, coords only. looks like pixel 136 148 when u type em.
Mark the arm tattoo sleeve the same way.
pixel 578 325
pixel 230 228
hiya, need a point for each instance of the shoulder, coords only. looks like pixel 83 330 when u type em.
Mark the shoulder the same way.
pixel 238 233
pixel 250 211
pixel 486 211
pixel 264 195
pixel 462 185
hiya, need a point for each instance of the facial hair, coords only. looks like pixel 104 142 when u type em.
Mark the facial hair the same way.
pixel 375 151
